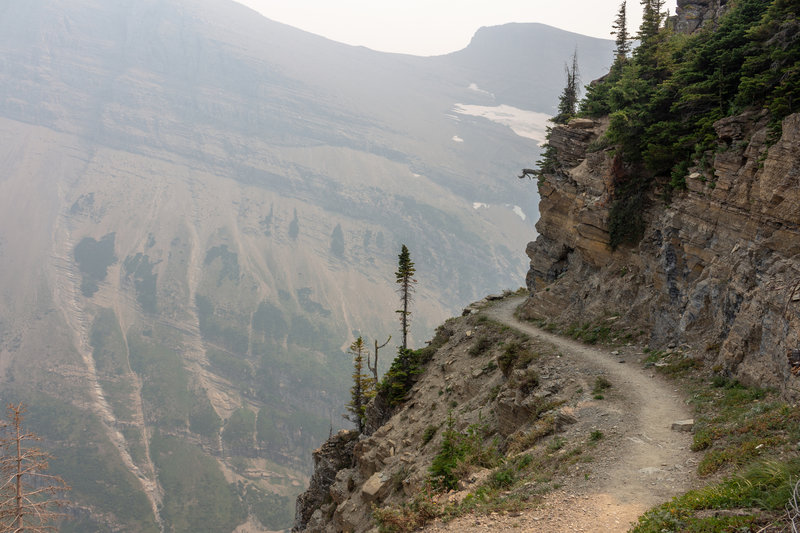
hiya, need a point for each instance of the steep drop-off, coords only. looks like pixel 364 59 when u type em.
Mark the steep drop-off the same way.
pixel 502 415
pixel 199 208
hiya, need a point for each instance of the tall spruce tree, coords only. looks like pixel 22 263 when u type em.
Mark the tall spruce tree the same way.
pixel 623 41
pixel 652 16
pixel 405 279
pixel 568 101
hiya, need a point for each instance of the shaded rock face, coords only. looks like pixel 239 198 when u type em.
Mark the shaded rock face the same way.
pixel 574 207
pixel 691 15
pixel 718 269
pixel 334 455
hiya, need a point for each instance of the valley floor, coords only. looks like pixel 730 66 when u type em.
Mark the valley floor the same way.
pixel 639 462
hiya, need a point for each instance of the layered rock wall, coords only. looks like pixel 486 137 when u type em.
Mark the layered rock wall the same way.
pixel 718 270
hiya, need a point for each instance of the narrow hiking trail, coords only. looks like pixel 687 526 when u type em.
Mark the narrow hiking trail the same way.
pixel 640 462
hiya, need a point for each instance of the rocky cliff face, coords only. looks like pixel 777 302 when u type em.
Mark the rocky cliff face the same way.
pixel 692 15
pixel 334 455
pixel 717 272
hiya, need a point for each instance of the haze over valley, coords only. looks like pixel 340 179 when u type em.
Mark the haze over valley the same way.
pixel 200 210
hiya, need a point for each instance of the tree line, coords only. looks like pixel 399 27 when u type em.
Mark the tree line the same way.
pixel 663 97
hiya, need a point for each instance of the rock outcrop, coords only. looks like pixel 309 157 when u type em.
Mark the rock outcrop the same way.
pixel 473 382
pixel 334 455
pixel 718 269
pixel 692 15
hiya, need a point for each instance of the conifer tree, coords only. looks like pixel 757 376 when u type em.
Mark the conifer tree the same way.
pixel 623 44
pixel 28 494
pixel 652 16
pixel 294 227
pixel 337 241
pixel 363 386
pixel 405 279
pixel 568 101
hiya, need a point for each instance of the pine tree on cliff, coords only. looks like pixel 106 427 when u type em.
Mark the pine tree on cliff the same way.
pixel 405 279
pixel 405 366
pixel 649 37
pixel 363 386
pixel 597 101
pixel 623 41
pixel 568 101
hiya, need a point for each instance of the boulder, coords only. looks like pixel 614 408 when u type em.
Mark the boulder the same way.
pixel 375 487
pixel 683 425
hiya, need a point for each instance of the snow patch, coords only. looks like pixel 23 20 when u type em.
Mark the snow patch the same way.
pixel 519 212
pixel 474 87
pixel 528 124
pixel 479 205
pixel 457 139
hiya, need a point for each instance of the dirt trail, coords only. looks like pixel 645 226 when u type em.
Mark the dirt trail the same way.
pixel 642 462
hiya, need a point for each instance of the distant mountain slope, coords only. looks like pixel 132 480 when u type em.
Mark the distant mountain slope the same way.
pixel 522 65
pixel 174 173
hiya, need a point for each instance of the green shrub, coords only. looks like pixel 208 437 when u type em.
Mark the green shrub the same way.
pixel 407 365
pixel 508 358
pixel 528 381
pixel 428 434
pixel 515 355
pixel 702 440
pixel 459 451
pixel 556 444
pixel 503 477
pixel 600 384
pixel 480 346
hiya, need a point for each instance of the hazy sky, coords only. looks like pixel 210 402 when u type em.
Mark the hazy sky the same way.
pixel 432 27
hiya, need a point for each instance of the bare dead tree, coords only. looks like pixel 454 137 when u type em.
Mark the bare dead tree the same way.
pixel 793 508
pixel 28 495
pixel 374 367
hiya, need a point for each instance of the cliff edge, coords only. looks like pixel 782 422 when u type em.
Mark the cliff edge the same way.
pixel 506 418
pixel 718 269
